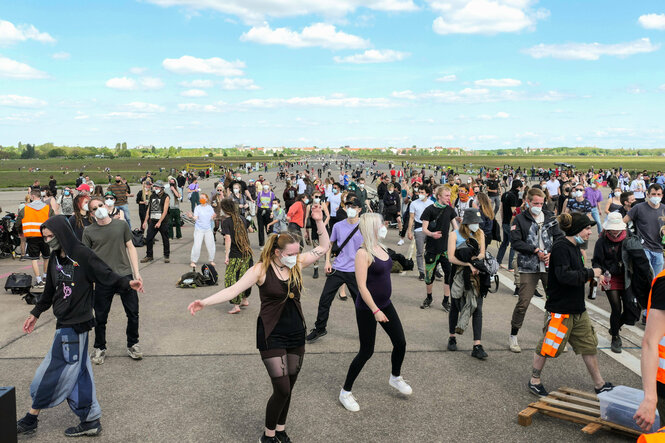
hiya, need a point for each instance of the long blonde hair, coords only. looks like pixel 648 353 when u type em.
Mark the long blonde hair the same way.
pixel 281 241
pixel 465 232
pixel 369 225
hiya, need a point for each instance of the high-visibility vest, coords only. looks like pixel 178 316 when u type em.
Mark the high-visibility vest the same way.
pixel 656 437
pixel 33 219
pixel 660 375
pixel 554 335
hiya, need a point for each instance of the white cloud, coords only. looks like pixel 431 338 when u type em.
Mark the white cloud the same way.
pixel 652 21
pixel 485 16
pixel 151 82
pixel 498 115
pixel 128 115
pixel 498 82
pixel 13 69
pixel 20 101
pixel 258 10
pixel 81 116
pixel 193 65
pixel 447 78
pixel 198 84
pixel 194 93
pixel 123 83
pixel 478 95
pixel 9 34
pixel 373 56
pixel 196 107
pixel 61 56
pixel 332 101
pixel 138 70
pixel 239 83
pixel 662 87
pixel 591 51
pixel 319 34
pixel 144 107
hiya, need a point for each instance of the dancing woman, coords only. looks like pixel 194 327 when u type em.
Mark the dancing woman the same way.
pixel 281 324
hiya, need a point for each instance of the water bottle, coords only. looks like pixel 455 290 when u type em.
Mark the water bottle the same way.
pixel 607 284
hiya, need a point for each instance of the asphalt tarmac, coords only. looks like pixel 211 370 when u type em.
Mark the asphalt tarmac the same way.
pixel 202 379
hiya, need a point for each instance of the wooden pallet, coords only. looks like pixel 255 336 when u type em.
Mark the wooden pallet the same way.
pixel 575 406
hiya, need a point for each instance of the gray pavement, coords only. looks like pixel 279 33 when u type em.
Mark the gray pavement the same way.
pixel 202 378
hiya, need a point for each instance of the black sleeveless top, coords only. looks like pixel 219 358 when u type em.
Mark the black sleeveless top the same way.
pixel 281 323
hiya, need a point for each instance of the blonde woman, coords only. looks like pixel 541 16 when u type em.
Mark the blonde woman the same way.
pixel 373 265
pixel 281 323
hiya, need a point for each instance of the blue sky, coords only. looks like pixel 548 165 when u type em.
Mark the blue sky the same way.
pixel 365 73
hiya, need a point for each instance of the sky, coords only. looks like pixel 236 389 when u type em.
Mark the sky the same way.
pixel 480 74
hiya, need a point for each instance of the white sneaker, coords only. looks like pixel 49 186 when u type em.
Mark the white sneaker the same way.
pixel 98 356
pixel 514 346
pixel 399 384
pixel 348 401
pixel 400 242
pixel 135 352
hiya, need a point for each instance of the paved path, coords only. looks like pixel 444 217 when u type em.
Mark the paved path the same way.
pixel 202 379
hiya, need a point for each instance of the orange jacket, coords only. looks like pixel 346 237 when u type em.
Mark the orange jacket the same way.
pixel 660 376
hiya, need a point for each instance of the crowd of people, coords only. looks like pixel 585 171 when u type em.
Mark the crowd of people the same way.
pixel 542 221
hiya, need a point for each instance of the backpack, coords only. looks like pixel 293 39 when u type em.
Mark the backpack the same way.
pixel 406 264
pixel 79 181
pixel 191 280
pixel 210 275
pixel 138 240
pixel 496 230
pixel 18 283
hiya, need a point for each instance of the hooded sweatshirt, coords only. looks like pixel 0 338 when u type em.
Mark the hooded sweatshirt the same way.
pixel 69 279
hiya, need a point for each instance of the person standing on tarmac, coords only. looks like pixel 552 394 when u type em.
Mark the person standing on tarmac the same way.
pixel 29 221
pixel 156 221
pixel 103 238
pixel 66 373
pixel 567 320
pixel 532 234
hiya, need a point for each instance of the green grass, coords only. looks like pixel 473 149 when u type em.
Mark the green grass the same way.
pixel 15 173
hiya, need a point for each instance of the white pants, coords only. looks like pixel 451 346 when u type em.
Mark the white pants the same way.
pixel 199 236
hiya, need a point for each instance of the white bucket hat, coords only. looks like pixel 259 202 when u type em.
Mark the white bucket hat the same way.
pixel 614 222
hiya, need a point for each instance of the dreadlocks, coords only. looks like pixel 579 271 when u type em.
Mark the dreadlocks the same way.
pixel 241 238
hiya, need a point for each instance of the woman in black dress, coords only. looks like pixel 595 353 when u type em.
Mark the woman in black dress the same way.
pixel 281 324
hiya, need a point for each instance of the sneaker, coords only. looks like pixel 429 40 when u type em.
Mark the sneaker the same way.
pixel 426 303
pixel 537 390
pixel 23 426
pixel 315 334
pixel 399 384
pixel 605 388
pixel 452 344
pixel 616 344
pixel 167 260
pixel 316 273
pixel 348 401
pixel 40 284
pixel 514 346
pixel 537 294
pixel 135 352
pixel 421 277
pixel 516 292
pixel 265 439
pixel 446 305
pixel 342 298
pixel 98 356
pixel 88 428
pixel 146 259
pixel 479 352
pixel 400 242
pixel 282 437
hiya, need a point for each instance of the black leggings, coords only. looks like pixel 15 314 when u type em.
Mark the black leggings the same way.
pixel 283 366
pixel 476 319
pixel 614 296
pixel 367 336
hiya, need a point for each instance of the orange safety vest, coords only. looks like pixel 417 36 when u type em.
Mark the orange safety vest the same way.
pixel 660 375
pixel 556 331
pixel 33 219
pixel 656 437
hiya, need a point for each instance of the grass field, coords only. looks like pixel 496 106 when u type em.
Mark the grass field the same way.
pixel 15 173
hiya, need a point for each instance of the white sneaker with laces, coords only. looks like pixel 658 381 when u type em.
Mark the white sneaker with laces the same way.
pixel 514 346
pixel 399 384
pixel 98 356
pixel 135 352
pixel 400 242
pixel 348 401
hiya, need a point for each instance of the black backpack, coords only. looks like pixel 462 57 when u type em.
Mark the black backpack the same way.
pixel 191 279
pixel 138 240
pixel 18 283
pixel 210 275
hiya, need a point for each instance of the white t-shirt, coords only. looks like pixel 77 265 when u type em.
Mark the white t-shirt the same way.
pixel 301 186
pixel 553 187
pixel 417 208
pixel 638 187
pixel 335 200
pixel 205 213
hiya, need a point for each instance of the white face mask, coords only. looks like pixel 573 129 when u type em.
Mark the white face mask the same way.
pixel 361 185
pixel 351 212
pixel 317 200
pixel 266 188
pixel 289 261
pixel 109 202
pixel 579 194
pixel 383 232
pixel 473 227
pixel 43 194
pixel 275 207
pixel 655 200
pixel 85 207
pixel 422 196
pixel 536 210
pixel 520 194
pixel 236 191
pixel 101 213
pixel 617 194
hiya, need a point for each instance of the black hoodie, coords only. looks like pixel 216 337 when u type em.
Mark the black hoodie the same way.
pixel 69 279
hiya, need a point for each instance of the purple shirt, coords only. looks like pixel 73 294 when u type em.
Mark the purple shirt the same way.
pixel 265 199
pixel 346 260
pixel 594 196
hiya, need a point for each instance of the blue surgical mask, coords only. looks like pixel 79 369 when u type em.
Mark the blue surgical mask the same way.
pixel 578 240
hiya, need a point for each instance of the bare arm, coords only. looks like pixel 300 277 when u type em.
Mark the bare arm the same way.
pixel 250 278
pixel 165 211
pixel 323 248
pixel 227 246
pixel 645 415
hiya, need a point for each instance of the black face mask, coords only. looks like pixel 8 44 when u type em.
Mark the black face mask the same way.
pixel 117 181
